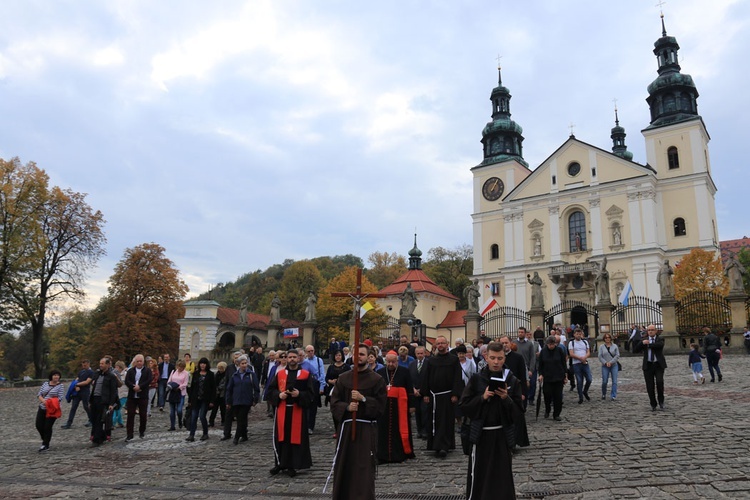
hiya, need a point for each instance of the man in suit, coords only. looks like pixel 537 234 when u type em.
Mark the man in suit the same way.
pixel 654 364
pixel 165 370
pixel 415 372
pixel 138 378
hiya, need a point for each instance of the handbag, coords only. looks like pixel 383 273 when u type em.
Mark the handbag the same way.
pixel 619 366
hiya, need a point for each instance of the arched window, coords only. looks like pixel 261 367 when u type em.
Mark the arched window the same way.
pixel 673 158
pixel 679 227
pixel 577 231
pixel 494 251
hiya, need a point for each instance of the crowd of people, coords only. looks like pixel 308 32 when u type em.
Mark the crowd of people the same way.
pixel 481 390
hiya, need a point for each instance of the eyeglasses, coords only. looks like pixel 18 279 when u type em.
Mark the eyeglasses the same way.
pixel 282 357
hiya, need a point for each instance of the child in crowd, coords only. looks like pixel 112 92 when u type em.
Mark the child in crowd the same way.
pixel 694 361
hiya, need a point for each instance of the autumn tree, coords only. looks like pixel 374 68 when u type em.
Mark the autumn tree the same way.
pixel 23 194
pixel 451 269
pixel 66 335
pixel 335 313
pixel 67 241
pixel 143 304
pixel 699 271
pixel 385 268
pixel 299 280
pixel 744 257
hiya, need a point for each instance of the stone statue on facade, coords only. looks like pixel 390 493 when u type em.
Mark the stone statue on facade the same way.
pixel 602 284
pixel 471 292
pixel 617 236
pixel 276 309
pixel 664 279
pixel 408 302
pixel 537 246
pixel 310 308
pixel 537 297
pixel 734 271
pixel 243 312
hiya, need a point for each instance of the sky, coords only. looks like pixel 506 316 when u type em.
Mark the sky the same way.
pixel 237 134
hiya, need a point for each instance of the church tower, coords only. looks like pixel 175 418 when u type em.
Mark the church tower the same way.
pixel 677 148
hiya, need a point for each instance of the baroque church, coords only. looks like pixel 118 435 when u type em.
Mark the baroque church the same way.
pixel 584 204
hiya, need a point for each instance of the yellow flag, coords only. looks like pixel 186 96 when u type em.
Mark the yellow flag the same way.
pixel 364 308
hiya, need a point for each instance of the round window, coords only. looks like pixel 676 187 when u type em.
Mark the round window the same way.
pixel 574 168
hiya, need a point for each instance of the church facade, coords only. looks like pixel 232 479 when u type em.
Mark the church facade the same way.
pixel 584 204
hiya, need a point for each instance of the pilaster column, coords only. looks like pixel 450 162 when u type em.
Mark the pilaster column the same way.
pixel 739 319
pixel 669 326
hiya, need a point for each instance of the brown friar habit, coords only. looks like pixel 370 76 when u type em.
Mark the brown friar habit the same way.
pixel 490 472
pixel 354 461
pixel 394 427
pixel 291 443
pixel 441 379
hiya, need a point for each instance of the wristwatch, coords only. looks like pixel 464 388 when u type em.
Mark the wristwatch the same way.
pixel 364 399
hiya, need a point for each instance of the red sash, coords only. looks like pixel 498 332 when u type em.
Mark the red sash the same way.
pixel 296 409
pixel 403 415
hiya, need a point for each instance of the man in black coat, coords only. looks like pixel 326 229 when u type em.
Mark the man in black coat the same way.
pixel 415 371
pixel 165 370
pixel 137 379
pixel 654 364
pixel 517 366
pixel 103 400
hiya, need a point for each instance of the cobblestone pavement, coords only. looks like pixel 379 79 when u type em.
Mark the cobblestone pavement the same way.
pixel 696 448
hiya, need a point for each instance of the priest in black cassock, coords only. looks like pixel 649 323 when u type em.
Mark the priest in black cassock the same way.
pixel 291 391
pixel 354 462
pixel 394 427
pixel 517 365
pixel 441 387
pixel 490 473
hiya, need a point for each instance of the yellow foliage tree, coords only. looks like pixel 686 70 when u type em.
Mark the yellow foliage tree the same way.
pixel 699 271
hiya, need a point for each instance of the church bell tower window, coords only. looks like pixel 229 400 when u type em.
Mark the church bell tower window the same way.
pixel 673 158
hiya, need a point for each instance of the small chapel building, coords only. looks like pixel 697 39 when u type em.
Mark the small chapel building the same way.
pixel 584 203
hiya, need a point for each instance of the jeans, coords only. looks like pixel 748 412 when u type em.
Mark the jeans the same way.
pixel 153 397
pixel 75 401
pixel 200 408
pixel 582 371
pixel 117 413
pixel 219 406
pixel 606 372
pixel 162 391
pixel 175 411
pixel 532 388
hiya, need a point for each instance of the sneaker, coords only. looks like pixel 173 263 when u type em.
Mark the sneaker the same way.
pixel 190 439
pixel 141 435
pixel 204 437
pixel 129 438
pixel 87 424
pixel 66 426
pixel 310 432
pixel 604 397
pixel 43 448
pixel 703 380
pixel 613 399
pixel 557 419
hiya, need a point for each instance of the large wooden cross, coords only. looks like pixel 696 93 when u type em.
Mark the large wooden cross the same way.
pixel 358 297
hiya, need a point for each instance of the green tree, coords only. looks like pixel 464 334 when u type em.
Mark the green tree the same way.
pixel 67 335
pixel 299 280
pixel 143 305
pixel 744 257
pixel 451 269
pixel 385 268
pixel 69 241
pixel 699 271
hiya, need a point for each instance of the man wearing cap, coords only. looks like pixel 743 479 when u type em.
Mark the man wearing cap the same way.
pixel 394 427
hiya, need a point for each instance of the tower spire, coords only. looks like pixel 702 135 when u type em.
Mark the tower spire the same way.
pixel 618 138
pixel 502 137
pixel 415 256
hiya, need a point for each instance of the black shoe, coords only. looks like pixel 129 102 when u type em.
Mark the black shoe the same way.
pixel 720 377
pixel 43 448
pixel 171 428
pixel 66 426
pixel 204 437
pixel 291 472
pixel 275 470
pixel 190 439
pixel 586 395
pixel 87 424
pixel 653 408
pixel 441 454
pixel 546 414
pixel 141 435
pixel 236 440
pixel 604 397
pixel 129 438
pixel 580 401
pixel 557 419
pixel 225 438
pixel 712 381
pixel 243 439
pixel 661 406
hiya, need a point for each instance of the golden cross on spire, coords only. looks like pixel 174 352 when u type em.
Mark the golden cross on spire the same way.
pixel 660 4
pixel 498 60
pixel 571 127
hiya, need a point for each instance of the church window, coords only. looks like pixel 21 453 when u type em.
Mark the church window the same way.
pixel 673 158
pixel 554 180
pixel 593 172
pixel 679 227
pixel 494 251
pixel 574 168
pixel 577 231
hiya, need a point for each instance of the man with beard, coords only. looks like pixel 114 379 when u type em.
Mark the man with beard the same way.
pixel 354 461
pixel 291 392
pixel 394 428
pixel 493 404
pixel 441 387
pixel 515 363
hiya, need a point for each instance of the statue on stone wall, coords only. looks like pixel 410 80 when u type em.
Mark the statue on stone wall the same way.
pixel 471 292
pixel 537 297
pixel 617 236
pixel 734 271
pixel 602 283
pixel 664 279
pixel 243 312
pixel 276 309
pixel 408 301
pixel 310 308
pixel 537 246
